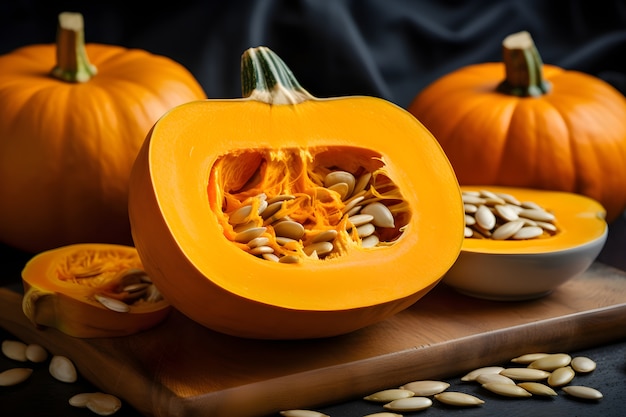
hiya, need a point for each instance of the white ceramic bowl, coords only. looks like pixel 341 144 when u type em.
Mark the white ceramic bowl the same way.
pixel 523 270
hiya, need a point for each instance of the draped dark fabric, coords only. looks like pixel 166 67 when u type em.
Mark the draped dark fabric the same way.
pixel 385 48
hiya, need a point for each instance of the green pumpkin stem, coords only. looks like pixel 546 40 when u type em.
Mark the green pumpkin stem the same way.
pixel 265 77
pixel 523 67
pixel 72 62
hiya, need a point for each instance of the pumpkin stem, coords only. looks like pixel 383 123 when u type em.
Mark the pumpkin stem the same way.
pixel 265 77
pixel 72 62
pixel 523 66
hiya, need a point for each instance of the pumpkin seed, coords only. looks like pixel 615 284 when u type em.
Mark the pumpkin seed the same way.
pixel 528 232
pixel 270 257
pixel 537 388
pixel 425 388
pixel 506 212
pixel 471 376
pixel 302 413
pixel 507 230
pixel 14 349
pixel 485 218
pixel 249 234
pixel 340 188
pixel 487 378
pixel 258 241
pixel 362 183
pixel 409 404
pixel 383 414
pixel 289 259
pixel 321 248
pixel 525 374
pixel 388 395
pixel 14 376
pixel 240 215
pixel 97 402
pixel 337 177
pixel 583 364
pixel 551 362
pixel 381 215
pixel 260 250
pixel 370 241
pixel 561 376
pixel 325 236
pixel 290 229
pixel 352 203
pixel 360 219
pixel 112 303
pixel 62 369
pixel 508 390
pixel 36 353
pixel 528 358
pixel 580 391
pixel 458 398
pixel 537 214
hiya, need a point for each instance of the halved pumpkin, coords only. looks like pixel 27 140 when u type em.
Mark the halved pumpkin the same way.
pixel 204 160
pixel 91 290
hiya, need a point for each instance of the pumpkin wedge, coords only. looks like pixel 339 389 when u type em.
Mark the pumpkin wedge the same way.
pixel 91 290
pixel 521 123
pixel 286 172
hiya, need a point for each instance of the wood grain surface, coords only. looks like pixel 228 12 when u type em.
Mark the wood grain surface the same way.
pixel 180 368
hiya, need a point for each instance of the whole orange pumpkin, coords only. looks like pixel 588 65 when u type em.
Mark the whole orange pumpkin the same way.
pixel 542 127
pixel 72 119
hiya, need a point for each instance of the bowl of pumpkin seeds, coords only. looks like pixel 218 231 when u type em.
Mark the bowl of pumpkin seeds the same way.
pixel 522 244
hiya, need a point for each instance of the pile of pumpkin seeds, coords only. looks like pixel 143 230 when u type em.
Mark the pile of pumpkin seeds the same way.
pixel 60 368
pixel 501 216
pixel 287 228
pixel 542 376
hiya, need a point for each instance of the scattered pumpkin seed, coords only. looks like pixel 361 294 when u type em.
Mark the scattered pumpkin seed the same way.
pixel 471 376
pixel 36 353
pixel 487 378
pixel 97 402
pixel 460 399
pixel 426 388
pixel 528 358
pixel 409 404
pixel 561 376
pixel 583 364
pixel 62 369
pixel 537 388
pixel 507 390
pixel 14 349
pixel 14 376
pixel 525 374
pixel 551 362
pixel 112 303
pixel 581 391
pixel 302 413
pixel 388 395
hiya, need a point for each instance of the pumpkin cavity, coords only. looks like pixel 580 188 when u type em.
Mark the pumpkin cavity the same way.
pixel 291 204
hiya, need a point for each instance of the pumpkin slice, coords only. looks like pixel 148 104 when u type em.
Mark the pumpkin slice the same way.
pixel 91 290
pixel 209 170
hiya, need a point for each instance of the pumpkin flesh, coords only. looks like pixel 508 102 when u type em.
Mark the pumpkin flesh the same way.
pixel 210 279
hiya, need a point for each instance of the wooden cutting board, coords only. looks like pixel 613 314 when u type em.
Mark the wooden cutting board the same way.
pixel 183 369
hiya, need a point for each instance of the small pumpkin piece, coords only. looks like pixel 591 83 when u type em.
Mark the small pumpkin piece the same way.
pixel 91 290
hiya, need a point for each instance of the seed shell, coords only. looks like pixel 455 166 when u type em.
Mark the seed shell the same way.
pixel 36 353
pixel 529 358
pixel 62 369
pixel 14 349
pixel 302 413
pixel 580 391
pixel 488 378
pixel 388 395
pixel 561 376
pixel 409 404
pixel 525 374
pixel 583 364
pixel 458 398
pixel 14 376
pixel 471 376
pixel 538 388
pixel 507 390
pixel 426 388
pixel 551 362
pixel 381 214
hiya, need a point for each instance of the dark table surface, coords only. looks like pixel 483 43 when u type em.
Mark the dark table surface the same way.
pixel 41 395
